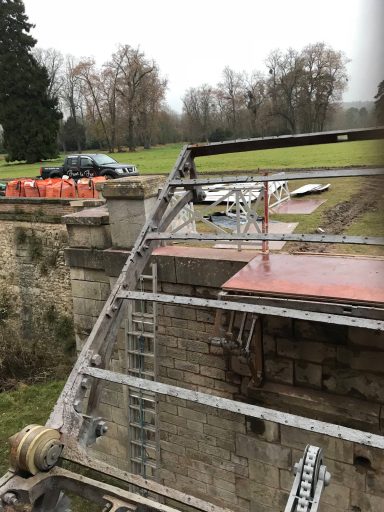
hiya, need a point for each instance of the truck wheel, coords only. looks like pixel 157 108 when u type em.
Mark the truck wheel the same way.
pixel 109 176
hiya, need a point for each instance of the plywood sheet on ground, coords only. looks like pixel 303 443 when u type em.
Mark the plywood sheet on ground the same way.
pixel 294 206
pixel 274 227
pixel 316 276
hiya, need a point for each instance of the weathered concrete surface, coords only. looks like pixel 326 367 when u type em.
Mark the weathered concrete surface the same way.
pixel 130 202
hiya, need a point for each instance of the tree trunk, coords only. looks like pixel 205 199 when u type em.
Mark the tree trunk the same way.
pixel 131 139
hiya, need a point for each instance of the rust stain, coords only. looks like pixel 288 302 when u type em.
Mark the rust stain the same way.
pixel 326 277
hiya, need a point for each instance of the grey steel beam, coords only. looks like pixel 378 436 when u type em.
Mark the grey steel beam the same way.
pixel 284 141
pixel 283 176
pixel 254 411
pixel 313 316
pixel 272 237
pixel 338 308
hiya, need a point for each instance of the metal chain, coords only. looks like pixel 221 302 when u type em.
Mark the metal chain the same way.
pixel 306 484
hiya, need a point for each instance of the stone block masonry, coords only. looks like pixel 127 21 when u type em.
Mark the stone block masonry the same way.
pixel 34 279
pixel 241 463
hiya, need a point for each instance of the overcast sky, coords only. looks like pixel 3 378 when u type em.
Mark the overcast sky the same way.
pixel 193 41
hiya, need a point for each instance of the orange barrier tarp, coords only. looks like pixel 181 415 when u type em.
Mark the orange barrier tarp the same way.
pixel 86 187
pixel 15 188
pixel 54 188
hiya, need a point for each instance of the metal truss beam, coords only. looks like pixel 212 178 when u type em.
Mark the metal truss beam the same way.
pixel 284 141
pixel 254 411
pixel 313 316
pixel 250 237
pixel 336 308
pixel 283 176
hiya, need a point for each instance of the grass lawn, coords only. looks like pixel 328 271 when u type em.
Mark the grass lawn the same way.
pixel 30 404
pixel 162 159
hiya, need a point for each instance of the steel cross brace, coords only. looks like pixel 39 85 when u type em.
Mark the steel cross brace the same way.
pixel 284 176
pixel 249 237
pixel 290 420
pixel 261 309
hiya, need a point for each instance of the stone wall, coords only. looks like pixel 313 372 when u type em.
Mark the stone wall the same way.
pixel 33 274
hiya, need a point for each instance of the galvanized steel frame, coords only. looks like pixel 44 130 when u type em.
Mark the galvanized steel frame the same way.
pixel 253 411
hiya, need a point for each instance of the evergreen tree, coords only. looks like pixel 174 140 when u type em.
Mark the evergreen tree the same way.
pixel 29 117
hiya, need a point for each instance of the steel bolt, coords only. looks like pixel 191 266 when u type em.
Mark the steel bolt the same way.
pixel 101 429
pixel 77 405
pixel 10 498
pixel 84 383
pixel 96 360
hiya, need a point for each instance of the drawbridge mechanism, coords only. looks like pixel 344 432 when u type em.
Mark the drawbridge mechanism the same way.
pixel 35 448
pixel 75 423
pixel 311 478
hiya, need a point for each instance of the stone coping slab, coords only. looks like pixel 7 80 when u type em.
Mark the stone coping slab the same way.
pixel 89 217
pixel 206 253
pixel 134 187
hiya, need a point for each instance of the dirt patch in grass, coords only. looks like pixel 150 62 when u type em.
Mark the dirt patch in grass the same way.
pixel 337 219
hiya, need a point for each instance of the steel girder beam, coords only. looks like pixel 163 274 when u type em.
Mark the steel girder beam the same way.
pixel 283 176
pixel 284 141
pixel 272 237
pixel 254 411
pixel 314 316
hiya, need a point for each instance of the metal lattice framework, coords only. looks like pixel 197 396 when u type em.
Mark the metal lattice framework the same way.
pixel 75 413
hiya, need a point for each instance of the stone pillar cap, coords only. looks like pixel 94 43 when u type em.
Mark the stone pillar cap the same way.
pixel 135 187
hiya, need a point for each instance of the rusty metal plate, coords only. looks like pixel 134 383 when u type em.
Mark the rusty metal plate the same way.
pixel 327 277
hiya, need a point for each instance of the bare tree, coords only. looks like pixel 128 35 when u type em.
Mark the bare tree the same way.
pixel 53 61
pixel 304 86
pixel 284 85
pixel 324 80
pixel 108 87
pixel 71 96
pixel 136 75
pixel 255 92
pixel 231 96
pixel 199 108
pixel 92 91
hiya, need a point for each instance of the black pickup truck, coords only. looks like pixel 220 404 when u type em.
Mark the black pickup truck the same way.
pixel 89 166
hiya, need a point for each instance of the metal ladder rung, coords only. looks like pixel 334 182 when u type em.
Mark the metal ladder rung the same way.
pixel 137 408
pixel 145 426
pixel 143 334
pixel 140 321
pixel 147 398
pixel 138 353
pixel 147 444
pixel 141 372
pixel 143 315
pixel 144 463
